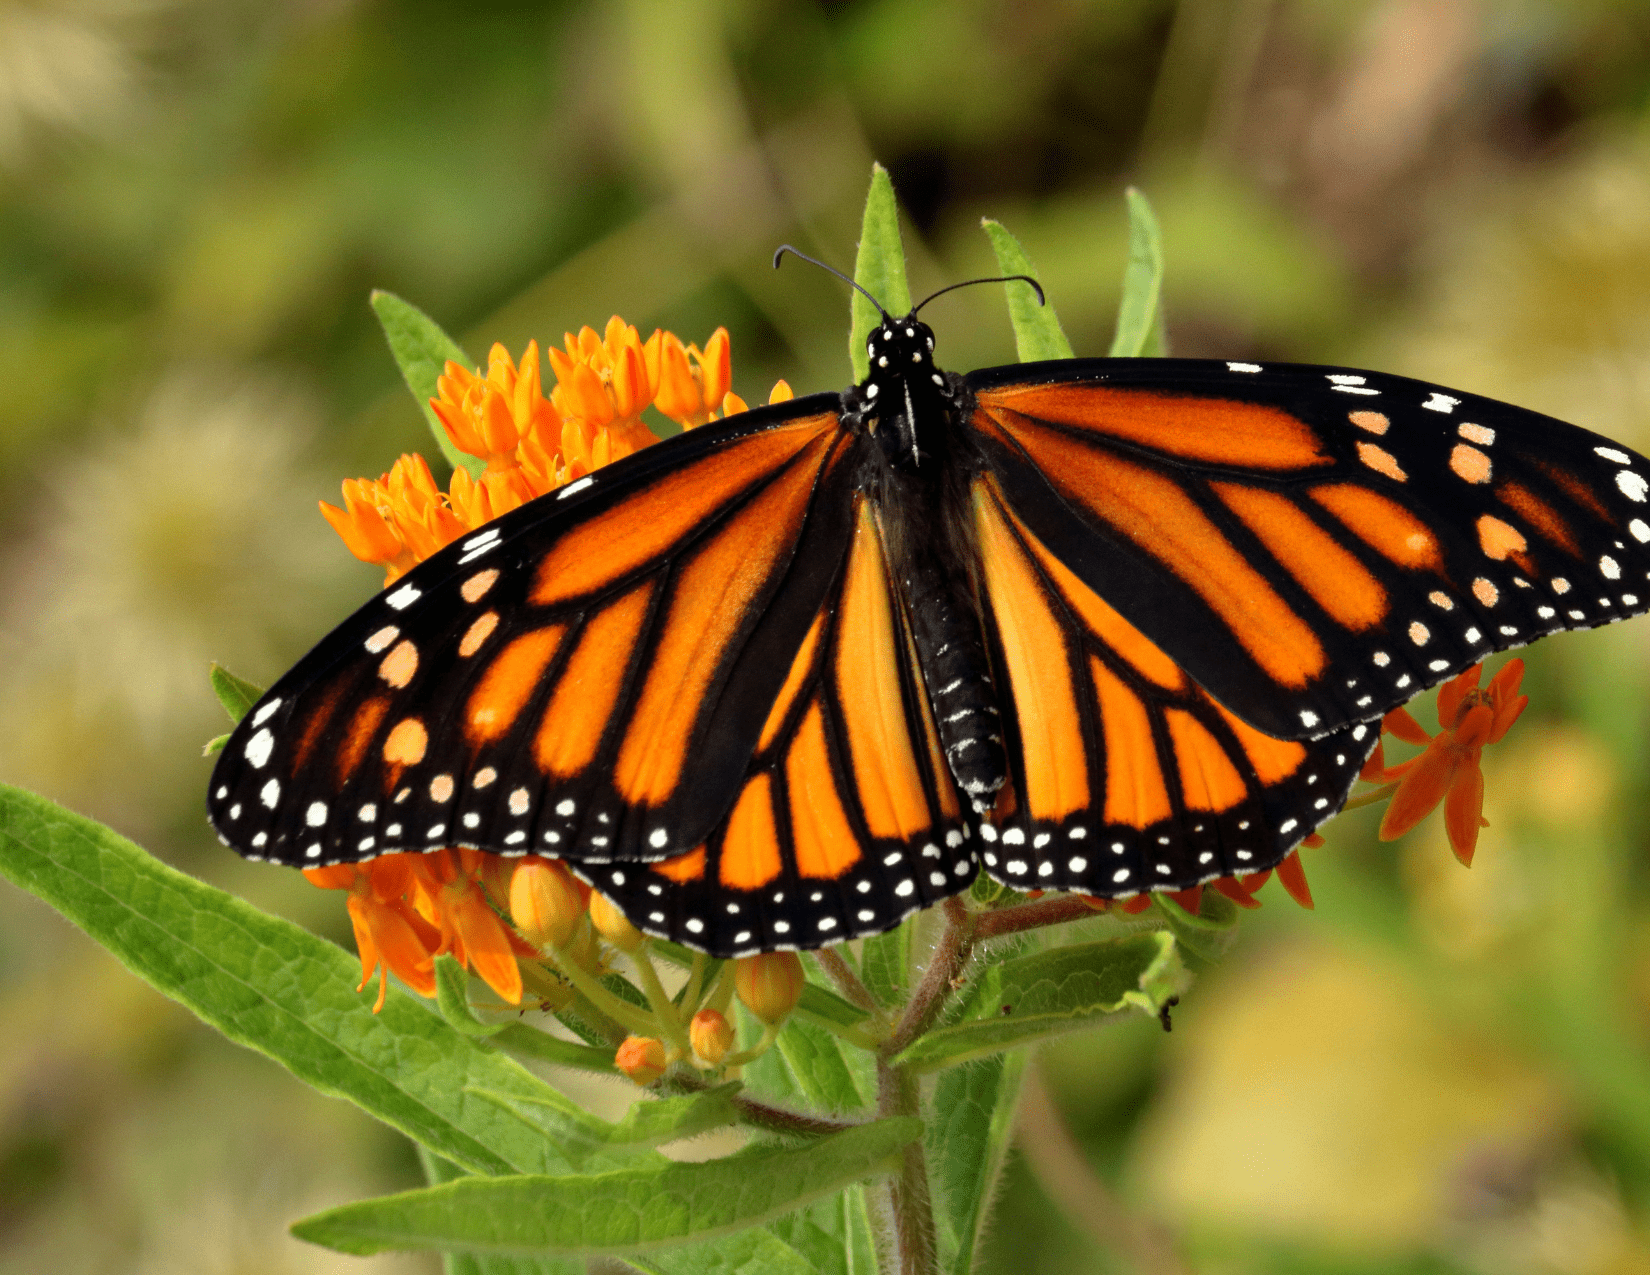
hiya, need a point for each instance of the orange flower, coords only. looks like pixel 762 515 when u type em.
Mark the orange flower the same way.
pixel 1448 770
pixel 692 385
pixel 489 417
pixel 642 1058
pixel 397 521
pixel 452 895
pixel 1240 890
pixel 388 932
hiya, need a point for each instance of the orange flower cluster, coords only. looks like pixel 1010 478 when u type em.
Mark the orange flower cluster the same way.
pixel 531 443
pixel 1469 719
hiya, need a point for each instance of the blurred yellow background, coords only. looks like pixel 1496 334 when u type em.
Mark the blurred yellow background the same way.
pixel 1437 1071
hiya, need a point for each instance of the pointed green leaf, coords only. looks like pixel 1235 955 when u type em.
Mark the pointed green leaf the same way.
pixel 214 745
pixel 824 1077
pixel 1140 313
pixel 1203 939
pixel 753 1252
pixel 269 985
pixel 650 1122
pixel 879 269
pixel 1060 990
pixel 422 351
pixel 834 1235
pixel 1037 331
pixel 236 694
pixel 437 1170
pixel 971 1123
pixel 822 1003
pixel 452 998
pixel 624 1211
pixel 530 1042
pixel 885 964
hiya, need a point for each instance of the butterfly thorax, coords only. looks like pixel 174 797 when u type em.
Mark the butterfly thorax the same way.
pixel 919 485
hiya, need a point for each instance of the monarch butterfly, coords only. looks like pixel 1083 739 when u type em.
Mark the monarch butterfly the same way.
pixel 1098 625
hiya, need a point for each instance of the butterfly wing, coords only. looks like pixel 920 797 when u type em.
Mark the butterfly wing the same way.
pixel 847 819
pixel 587 676
pixel 1315 546
pixel 1125 775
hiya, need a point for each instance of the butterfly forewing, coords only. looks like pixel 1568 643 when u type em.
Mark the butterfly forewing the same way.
pixel 847 819
pixel 586 677
pixel 1315 546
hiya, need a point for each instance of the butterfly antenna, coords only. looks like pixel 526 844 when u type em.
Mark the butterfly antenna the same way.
pixel 1007 278
pixel 785 247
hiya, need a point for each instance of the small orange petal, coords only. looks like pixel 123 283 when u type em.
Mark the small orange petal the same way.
pixel 1135 904
pixel 781 392
pixel 732 404
pixel 1191 899
pixel 1452 692
pixel 1421 789
pixel 1292 874
pixel 1399 724
pixel 1473 728
pixel 716 367
pixel 1375 764
pixel 1233 890
pixel 1464 811
pixel 486 943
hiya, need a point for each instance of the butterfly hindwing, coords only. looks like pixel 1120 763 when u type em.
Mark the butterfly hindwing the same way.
pixel 1316 546
pixel 847 819
pixel 585 677
pixel 1126 775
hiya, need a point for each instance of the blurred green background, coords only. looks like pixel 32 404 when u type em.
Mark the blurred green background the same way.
pixel 1436 1071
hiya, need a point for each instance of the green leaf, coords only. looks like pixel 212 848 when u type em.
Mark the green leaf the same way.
pixel 834 1235
pixel 519 1038
pixel 753 1252
pixel 437 1170
pixel 236 694
pixel 971 1122
pixel 1203 939
pixel 879 268
pixel 273 987
pixel 824 1078
pixel 1059 990
pixel 822 1003
pixel 885 964
pixel 214 745
pixel 422 351
pixel 625 1211
pixel 650 1122
pixel 1140 314
pixel 1037 331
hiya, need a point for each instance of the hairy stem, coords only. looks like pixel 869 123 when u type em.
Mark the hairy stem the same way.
pixel 1030 916
pixel 940 978
pixel 847 982
pixel 909 1200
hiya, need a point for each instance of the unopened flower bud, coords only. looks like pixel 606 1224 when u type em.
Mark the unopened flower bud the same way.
pixel 612 924
pixel 712 1036
pixel 769 984
pixel 545 902
pixel 642 1058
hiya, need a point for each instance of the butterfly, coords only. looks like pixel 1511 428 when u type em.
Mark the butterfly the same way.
pixel 1101 625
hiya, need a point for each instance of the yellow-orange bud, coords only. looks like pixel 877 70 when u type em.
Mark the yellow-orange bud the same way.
pixel 612 924
pixel 642 1058
pixel 712 1036
pixel 769 984
pixel 545 901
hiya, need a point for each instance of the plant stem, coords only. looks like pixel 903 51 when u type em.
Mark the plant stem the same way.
pixel 1029 916
pixel 956 945
pixel 695 986
pixel 847 982
pixel 664 1011
pixel 625 1014
pixel 1370 798
pixel 916 1252
pixel 760 1114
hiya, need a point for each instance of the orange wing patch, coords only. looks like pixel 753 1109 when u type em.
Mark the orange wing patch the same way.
pixel 826 846
pixel 1208 780
pixel 683 867
pixel 750 846
pixel 508 683
pixel 1382 524
pixel 1337 581
pixel 868 687
pixel 358 737
pixel 1154 512
pixel 1213 430
pixel 648 523
pixel 716 590
pixel 1039 670
pixel 1136 793
pixel 801 666
pixel 1274 760
pixel 1539 514
pixel 571 728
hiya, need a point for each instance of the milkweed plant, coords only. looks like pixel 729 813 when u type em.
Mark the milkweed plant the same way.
pixel 873 1084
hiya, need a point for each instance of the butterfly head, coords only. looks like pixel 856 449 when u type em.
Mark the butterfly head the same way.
pixel 905 396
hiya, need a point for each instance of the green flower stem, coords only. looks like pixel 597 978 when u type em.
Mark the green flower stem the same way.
pixel 721 991
pixel 758 1114
pixel 626 1015
pixel 1370 798
pixel 770 1033
pixel 850 1035
pixel 664 1010
pixel 847 982
pixel 910 1201
pixel 695 986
